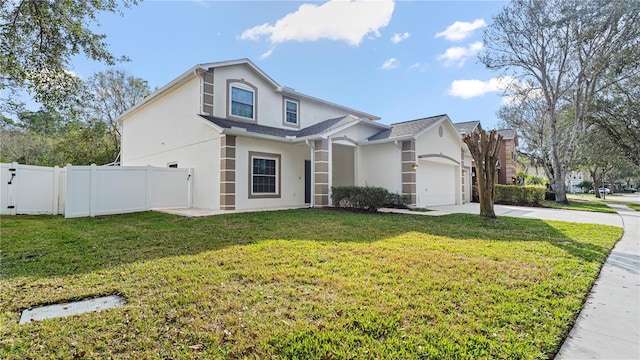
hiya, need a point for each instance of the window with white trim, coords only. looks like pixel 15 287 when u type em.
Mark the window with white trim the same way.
pixel 242 102
pixel 264 175
pixel 290 112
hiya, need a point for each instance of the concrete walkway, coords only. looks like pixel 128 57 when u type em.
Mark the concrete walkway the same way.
pixel 608 326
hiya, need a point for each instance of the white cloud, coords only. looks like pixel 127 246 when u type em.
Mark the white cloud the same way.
pixel 459 54
pixel 468 89
pixel 389 64
pixel 396 38
pixel 419 67
pixel 460 30
pixel 266 54
pixel 349 21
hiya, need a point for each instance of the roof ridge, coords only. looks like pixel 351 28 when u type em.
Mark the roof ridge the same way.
pixel 425 118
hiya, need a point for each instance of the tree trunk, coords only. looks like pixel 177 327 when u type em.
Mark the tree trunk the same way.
pixel 485 150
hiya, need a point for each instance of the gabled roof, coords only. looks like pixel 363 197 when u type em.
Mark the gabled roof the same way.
pixel 507 134
pixel 200 69
pixel 407 129
pixel 467 127
pixel 321 129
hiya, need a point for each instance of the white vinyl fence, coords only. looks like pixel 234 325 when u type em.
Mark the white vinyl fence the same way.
pixel 27 189
pixel 78 191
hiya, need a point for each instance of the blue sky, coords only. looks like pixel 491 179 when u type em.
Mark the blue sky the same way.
pixel 398 60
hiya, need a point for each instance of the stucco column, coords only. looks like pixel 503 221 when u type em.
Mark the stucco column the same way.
pixel 321 173
pixel 228 172
pixel 408 174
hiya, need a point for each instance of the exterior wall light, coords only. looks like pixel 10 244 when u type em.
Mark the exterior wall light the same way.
pixel 414 167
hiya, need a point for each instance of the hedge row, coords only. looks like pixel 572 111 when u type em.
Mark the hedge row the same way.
pixel 521 195
pixel 369 198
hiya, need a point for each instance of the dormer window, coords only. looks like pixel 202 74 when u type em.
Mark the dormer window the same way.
pixel 241 102
pixel 291 109
pixel 242 98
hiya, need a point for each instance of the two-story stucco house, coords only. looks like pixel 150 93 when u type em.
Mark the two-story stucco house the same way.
pixel 254 144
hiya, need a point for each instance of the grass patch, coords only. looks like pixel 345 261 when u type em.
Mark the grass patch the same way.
pixel 580 205
pixel 634 206
pixel 298 284
pixel 610 199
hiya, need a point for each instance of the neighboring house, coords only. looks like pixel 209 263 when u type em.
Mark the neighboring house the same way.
pixel 508 166
pixel 574 181
pixel 254 144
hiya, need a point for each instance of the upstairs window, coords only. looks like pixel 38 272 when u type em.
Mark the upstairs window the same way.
pixel 242 102
pixel 290 112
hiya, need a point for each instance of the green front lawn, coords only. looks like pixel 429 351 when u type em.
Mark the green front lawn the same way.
pixel 305 284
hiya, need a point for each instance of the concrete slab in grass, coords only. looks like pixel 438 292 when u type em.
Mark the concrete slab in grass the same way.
pixel 72 308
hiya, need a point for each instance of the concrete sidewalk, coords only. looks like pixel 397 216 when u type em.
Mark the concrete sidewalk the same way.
pixel 608 326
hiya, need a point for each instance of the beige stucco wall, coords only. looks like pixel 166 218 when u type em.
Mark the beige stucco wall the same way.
pixel 270 110
pixel 291 173
pixel 343 169
pixel 168 130
pixel 379 165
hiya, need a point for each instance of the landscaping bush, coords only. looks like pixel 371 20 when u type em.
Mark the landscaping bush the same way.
pixel 519 195
pixel 396 201
pixel 368 198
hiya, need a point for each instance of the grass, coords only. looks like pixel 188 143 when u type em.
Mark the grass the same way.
pixel 298 284
pixel 590 198
pixel 580 205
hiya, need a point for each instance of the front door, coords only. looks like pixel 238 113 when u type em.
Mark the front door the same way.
pixel 307 181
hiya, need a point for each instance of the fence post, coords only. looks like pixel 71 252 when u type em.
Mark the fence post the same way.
pixel 92 198
pixel 13 191
pixel 148 185
pixel 56 190
pixel 68 183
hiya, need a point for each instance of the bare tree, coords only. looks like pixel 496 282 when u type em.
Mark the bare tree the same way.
pixel 485 150
pixel 565 53
pixel 109 94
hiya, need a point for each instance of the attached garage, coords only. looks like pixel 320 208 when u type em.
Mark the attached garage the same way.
pixel 437 183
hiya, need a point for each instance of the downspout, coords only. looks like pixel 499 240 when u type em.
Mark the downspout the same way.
pixel 313 172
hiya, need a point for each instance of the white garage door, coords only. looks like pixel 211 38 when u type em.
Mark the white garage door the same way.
pixel 436 184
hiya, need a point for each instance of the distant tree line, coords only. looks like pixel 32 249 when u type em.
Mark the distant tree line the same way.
pixel 84 132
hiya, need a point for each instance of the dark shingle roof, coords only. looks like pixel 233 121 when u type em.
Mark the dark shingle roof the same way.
pixel 326 125
pixel 315 129
pixel 254 128
pixel 466 127
pixel 507 133
pixel 407 128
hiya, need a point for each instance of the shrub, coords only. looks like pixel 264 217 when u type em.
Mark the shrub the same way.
pixel 534 180
pixel 368 198
pixel 520 195
pixel 396 201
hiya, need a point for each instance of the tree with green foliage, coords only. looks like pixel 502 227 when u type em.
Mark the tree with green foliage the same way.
pixel 485 150
pixel 109 94
pixel 563 54
pixel 39 38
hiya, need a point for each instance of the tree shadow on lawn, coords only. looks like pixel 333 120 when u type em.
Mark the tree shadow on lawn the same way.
pixel 46 246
